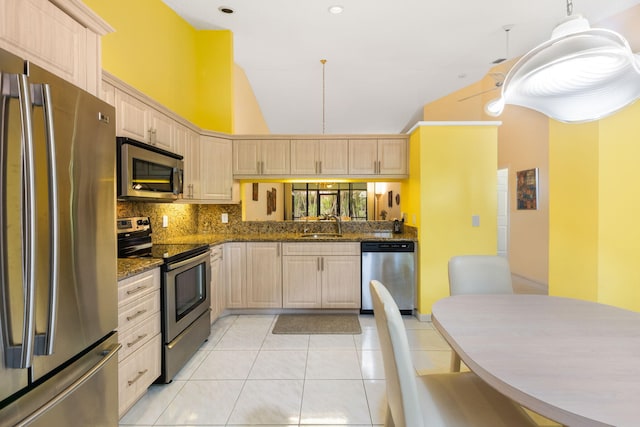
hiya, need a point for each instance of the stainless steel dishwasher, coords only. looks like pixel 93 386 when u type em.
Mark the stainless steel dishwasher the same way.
pixel 393 263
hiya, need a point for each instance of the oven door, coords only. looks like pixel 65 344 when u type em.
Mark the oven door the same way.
pixel 186 293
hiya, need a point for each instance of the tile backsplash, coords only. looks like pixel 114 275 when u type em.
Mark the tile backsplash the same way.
pixel 185 219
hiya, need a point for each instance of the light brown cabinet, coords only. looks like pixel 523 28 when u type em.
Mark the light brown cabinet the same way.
pixel 264 275
pixel 382 157
pixel 313 157
pixel 140 121
pixel 253 275
pixel 321 275
pixel 139 335
pixel 63 37
pixel 261 158
pixel 217 283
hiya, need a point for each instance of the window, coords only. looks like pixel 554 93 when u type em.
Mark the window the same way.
pixel 322 199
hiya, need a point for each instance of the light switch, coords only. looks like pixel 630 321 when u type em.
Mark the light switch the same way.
pixel 225 218
pixel 475 220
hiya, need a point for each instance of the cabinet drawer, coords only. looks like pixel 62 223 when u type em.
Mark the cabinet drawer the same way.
pixel 137 372
pixel 136 337
pixel 138 285
pixel 321 248
pixel 132 314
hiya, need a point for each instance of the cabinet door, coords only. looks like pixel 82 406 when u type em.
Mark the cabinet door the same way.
pixel 217 305
pixel 215 167
pixel 246 157
pixel 392 157
pixel 160 129
pixel 132 117
pixel 39 31
pixel 303 157
pixel 235 275
pixel 264 275
pixel 341 282
pixel 333 155
pixel 363 156
pixel 301 287
pixel 276 157
pixel 108 94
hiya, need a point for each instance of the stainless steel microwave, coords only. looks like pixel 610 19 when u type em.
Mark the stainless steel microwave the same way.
pixel 147 173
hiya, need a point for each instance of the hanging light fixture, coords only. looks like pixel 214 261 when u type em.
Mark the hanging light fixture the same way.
pixel 581 74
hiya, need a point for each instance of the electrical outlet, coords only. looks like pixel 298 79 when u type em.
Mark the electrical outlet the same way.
pixel 225 218
pixel 165 221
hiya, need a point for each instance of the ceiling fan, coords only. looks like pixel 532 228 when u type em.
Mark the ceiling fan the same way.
pixel 498 77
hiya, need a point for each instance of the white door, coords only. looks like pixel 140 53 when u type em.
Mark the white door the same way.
pixel 503 213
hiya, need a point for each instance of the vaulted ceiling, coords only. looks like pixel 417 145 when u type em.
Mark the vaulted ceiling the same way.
pixel 384 60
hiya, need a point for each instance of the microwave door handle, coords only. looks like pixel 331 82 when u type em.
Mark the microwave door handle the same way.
pixel 20 356
pixel 177 181
pixel 41 97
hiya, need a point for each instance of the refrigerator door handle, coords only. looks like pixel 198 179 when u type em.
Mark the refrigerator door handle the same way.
pixel 41 97
pixel 20 355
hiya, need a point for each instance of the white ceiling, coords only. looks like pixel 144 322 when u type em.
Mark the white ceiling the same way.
pixel 385 60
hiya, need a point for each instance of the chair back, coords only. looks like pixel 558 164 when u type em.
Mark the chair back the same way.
pixel 402 392
pixel 479 274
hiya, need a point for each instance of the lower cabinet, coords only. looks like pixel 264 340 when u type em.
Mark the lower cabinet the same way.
pixel 217 283
pixel 321 275
pixel 139 334
pixel 253 275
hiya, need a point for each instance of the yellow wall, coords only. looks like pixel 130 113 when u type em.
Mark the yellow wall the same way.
pixel 154 50
pixel 456 179
pixel 573 210
pixel 247 116
pixel 595 205
pixel 215 78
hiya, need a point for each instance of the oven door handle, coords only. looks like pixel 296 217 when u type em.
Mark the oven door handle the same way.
pixel 193 260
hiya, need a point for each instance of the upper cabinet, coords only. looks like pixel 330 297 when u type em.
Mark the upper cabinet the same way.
pixel 215 169
pixel 313 157
pixel 383 157
pixel 256 157
pixel 62 36
pixel 140 121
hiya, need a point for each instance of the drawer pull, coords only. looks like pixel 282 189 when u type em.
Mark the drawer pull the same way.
pixel 140 374
pixel 136 341
pixel 138 314
pixel 136 290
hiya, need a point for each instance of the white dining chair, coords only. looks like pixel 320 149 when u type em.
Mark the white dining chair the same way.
pixel 478 274
pixel 450 399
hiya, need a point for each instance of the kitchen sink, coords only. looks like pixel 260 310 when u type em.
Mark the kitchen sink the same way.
pixel 319 235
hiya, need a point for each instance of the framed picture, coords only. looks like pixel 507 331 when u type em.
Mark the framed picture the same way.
pixel 527 189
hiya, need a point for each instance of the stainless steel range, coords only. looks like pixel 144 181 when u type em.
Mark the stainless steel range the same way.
pixel 184 290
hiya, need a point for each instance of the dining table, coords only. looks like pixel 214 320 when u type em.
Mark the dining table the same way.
pixel 573 361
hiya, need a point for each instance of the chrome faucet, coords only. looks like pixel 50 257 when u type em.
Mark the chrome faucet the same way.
pixel 338 223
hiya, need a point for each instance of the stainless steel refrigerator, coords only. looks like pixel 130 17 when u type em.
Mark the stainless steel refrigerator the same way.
pixel 58 289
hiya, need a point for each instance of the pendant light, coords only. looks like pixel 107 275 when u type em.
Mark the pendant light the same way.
pixel 581 74
pixel 323 62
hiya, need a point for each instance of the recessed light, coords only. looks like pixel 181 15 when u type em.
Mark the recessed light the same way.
pixel 336 9
pixel 225 9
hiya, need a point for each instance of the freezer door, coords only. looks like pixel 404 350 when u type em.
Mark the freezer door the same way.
pixel 14 326
pixel 84 393
pixel 76 288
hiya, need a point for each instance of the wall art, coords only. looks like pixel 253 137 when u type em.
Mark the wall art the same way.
pixel 527 189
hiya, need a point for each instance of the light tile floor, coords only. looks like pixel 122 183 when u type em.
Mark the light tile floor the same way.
pixel 245 376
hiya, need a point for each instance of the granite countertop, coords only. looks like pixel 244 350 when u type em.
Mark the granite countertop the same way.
pixel 131 266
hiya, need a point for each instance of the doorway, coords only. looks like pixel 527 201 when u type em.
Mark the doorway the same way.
pixel 503 212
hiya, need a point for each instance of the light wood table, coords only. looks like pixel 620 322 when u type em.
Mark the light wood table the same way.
pixel 573 361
